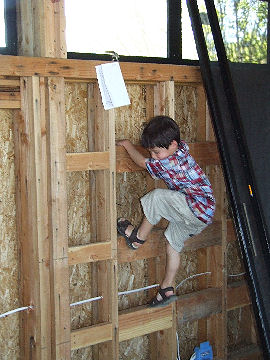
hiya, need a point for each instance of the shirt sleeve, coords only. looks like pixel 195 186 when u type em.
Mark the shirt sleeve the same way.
pixel 151 167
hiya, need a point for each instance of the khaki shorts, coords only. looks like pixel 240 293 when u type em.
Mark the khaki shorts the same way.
pixel 172 206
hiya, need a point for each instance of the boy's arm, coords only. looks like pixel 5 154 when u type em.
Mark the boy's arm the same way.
pixel 135 155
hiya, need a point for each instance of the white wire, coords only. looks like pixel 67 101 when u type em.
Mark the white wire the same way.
pixel 240 274
pixel 191 277
pixel 86 301
pixel 137 290
pixel 15 310
pixel 120 293
pixel 178 347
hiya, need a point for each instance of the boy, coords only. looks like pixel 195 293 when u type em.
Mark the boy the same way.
pixel 188 203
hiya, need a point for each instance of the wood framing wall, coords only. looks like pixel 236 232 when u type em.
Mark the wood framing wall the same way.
pixel 64 183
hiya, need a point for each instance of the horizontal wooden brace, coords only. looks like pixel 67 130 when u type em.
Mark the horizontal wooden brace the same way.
pixel 198 305
pixel 10 95
pixel 10 104
pixel 9 83
pixel 88 161
pixel 138 322
pixel 205 153
pixel 156 243
pixel 154 247
pixel 91 335
pixel 204 303
pixel 85 69
pixel 237 295
pixel 89 253
pixel 144 320
pixel 10 99
pixel 249 352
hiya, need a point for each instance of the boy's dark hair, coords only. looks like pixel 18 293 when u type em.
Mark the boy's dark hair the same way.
pixel 160 132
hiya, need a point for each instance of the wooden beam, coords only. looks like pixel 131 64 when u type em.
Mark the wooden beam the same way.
pixel 207 302
pixel 88 161
pixel 124 162
pixel 237 295
pixel 85 69
pixel 10 104
pixel 144 320
pixel 89 253
pixel 57 199
pixel 32 220
pixel 41 26
pixel 10 95
pixel 138 322
pixel 231 233
pixel 155 246
pixel 10 99
pixel 205 153
pixel 211 236
pixel 156 243
pixel 91 335
pixel 249 352
pixel 198 305
pixel 10 83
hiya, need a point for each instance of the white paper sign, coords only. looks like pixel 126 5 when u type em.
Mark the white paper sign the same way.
pixel 112 86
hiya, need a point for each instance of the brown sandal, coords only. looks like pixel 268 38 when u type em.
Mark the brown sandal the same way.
pixel 166 300
pixel 122 225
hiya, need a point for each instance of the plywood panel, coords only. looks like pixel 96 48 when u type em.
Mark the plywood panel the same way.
pixel 186 111
pixel 9 262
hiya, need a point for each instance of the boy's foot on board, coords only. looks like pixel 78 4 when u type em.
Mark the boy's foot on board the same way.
pixel 163 298
pixel 126 229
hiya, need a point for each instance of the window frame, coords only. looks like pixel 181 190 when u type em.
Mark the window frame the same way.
pixel 10 27
pixel 174 38
pixel 174 43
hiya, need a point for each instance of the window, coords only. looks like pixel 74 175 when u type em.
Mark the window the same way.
pixel 152 30
pixel 146 30
pixel 8 27
pixel 2 25
pixel 244 27
pixel 160 30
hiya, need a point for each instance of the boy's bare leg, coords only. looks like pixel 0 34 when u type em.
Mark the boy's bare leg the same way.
pixel 172 265
pixel 143 231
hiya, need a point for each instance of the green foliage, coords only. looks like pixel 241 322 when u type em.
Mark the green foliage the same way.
pixel 244 28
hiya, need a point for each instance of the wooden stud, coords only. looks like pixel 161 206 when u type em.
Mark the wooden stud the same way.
pixel 32 219
pixel 107 283
pixel 164 105
pixel 58 219
pixel 91 116
pixel 42 28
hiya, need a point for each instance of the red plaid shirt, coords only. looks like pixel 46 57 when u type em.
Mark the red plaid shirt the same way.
pixel 181 173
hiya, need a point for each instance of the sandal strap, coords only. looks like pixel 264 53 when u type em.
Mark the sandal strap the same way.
pixel 123 223
pixel 133 237
pixel 162 292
